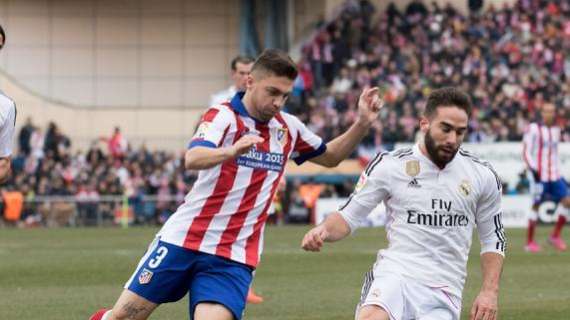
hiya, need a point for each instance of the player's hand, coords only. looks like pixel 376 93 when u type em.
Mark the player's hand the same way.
pixel 244 144
pixel 314 239
pixel 485 306
pixel 369 105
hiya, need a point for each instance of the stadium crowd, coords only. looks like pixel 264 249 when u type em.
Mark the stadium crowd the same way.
pixel 511 59
pixel 46 166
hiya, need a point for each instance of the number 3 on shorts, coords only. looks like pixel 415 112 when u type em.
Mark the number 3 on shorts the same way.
pixel 161 252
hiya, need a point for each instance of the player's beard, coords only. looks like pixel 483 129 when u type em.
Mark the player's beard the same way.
pixel 437 153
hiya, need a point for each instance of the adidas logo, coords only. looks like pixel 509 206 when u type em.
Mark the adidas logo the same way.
pixel 414 184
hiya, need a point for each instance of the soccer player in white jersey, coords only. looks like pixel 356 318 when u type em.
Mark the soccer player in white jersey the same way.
pixel 241 68
pixel 435 194
pixel 7 126
pixel 212 243
pixel 540 153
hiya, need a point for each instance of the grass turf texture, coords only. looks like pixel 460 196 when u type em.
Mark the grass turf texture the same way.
pixel 69 273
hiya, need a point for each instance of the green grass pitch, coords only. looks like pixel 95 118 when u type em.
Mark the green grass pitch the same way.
pixel 69 273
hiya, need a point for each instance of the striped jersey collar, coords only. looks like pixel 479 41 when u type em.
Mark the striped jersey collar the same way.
pixel 238 106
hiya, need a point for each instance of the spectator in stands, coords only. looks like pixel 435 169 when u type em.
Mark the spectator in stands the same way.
pixel 25 136
pixel 117 144
pixel 510 59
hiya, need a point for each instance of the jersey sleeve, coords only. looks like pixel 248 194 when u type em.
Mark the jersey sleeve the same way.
pixel 308 145
pixel 489 216
pixel 7 128
pixel 372 188
pixel 211 128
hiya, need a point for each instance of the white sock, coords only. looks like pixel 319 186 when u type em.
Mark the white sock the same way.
pixel 107 315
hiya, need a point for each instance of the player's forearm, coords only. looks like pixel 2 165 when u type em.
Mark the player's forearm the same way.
pixel 342 146
pixel 492 266
pixel 200 158
pixel 337 228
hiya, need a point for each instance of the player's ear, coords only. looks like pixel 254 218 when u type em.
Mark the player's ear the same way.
pixel 424 124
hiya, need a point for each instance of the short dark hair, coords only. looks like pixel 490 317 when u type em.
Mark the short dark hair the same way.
pixel 447 96
pixel 241 59
pixel 3 36
pixel 276 62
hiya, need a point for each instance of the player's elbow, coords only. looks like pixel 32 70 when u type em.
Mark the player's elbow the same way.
pixel 190 161
pixel 330 161
pixel 194 161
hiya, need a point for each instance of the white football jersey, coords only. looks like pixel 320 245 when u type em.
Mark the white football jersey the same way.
pixel 431 213
pixel 7 125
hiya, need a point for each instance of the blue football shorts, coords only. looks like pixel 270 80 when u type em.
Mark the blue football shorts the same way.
pixel 167 272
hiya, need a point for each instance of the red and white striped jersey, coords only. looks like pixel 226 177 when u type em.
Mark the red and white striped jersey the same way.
pixel 225 212
pixel 540 151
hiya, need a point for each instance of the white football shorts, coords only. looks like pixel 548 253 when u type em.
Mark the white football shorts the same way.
pixel 404 298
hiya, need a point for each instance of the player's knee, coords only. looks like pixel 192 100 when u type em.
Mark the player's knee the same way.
pixel 372 313
pixel 566 202
pixel 533 214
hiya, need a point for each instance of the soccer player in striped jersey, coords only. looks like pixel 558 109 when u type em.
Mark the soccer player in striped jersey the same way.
pixel 540 153
pixel 435 195
pixel 7 126
pixel 240 70
pixel 210 246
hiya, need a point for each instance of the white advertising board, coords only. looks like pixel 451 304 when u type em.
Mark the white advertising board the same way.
pixel 515 211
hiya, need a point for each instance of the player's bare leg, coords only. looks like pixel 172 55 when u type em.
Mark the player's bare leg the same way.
pixel 372 312
pixel 131 306
pixel 252 297
pixel 555 238
pixel 212 311
pixel 531 245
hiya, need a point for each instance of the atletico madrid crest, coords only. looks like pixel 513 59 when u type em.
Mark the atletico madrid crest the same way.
pixel 145 276
pixel 282 136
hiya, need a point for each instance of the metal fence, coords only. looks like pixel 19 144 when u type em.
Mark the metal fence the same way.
pixel 57 211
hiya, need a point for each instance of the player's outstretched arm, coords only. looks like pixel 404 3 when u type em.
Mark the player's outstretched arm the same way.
pixel 200 158
pixel 369 105
pixel 334 228
pixel 485 305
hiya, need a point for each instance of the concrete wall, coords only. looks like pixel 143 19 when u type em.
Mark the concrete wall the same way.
pixel 130 53
pixel 145 65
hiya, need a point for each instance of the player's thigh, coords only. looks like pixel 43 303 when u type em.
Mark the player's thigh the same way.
pixel 560 192
pixel 382 295
pixel 221 282
pixel 164 273
pixel 372 312
pixel 212 311
pixel 132 306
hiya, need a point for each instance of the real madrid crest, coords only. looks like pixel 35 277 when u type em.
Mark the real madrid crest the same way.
pixel 412 168
pixel 465 188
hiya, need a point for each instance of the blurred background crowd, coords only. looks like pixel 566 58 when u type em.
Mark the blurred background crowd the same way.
pixel 510 59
